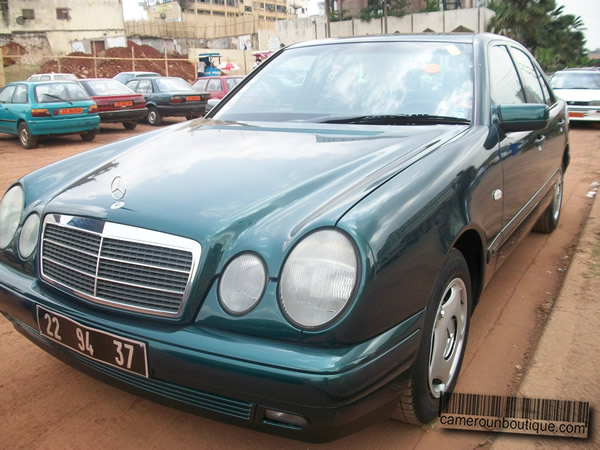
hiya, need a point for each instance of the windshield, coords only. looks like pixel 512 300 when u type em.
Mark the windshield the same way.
pixel 173 84
pixel 359 79
pixel 107 87
pixel 59 92
pixel 575 80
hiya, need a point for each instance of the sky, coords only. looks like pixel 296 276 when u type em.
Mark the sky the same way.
pixel 588 10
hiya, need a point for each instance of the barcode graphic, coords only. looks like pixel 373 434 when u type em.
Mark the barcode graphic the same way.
pixel 515 414
pixel 515 407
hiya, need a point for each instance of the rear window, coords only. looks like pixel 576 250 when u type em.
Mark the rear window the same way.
pixel 59 92
pixel 173 84
pixel 232 82
pixel 107 87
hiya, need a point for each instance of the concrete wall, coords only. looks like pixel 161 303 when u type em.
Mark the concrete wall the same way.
pixel 315 27
pixel 99 20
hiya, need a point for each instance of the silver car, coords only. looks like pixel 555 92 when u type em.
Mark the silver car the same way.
pixel 580 88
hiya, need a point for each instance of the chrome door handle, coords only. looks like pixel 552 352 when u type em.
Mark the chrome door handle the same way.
pixel 539 141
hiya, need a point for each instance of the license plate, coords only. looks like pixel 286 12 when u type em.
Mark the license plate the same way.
pixel 193 98
pixel 576 114
pixel 121 104
pixel 117 351
pixel 64 111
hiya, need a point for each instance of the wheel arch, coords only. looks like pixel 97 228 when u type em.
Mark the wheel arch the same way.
pixel 471 247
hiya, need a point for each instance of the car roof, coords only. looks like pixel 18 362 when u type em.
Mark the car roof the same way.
pixel 37 82
pixel 458 38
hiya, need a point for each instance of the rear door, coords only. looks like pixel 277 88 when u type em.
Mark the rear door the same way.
pixel 7 120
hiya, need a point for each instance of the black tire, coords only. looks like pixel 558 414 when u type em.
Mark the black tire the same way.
pixel 129 125
pixel 154 117
pixel 439 360
pixel 548 221
pixel 190 117
pixel 27 139
pixel 88 136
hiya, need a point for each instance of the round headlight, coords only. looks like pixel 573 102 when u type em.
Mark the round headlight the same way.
pixel 29 236
pixel 242 284
pixel 11 208
pixel 318 278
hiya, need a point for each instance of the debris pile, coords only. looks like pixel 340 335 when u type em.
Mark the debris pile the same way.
pixel 121 61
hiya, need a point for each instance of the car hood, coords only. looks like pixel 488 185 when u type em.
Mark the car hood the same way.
pixel 217 182
pixel 578 95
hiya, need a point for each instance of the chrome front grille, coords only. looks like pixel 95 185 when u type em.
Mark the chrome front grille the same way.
pixel 117 265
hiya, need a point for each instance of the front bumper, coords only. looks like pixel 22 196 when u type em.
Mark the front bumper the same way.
pixel 350 389
pixel 584 113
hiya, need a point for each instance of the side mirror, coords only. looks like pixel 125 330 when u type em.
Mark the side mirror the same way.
pixel 211 103
pixel 523 117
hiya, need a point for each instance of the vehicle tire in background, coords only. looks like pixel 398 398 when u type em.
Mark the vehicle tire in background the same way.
pixel 88 136
pixel 154 117
pixel 443 343
pixel 27 139
pixel 549 220
pixel 129 125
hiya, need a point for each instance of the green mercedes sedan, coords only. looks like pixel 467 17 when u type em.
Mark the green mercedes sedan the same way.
pixel 305 259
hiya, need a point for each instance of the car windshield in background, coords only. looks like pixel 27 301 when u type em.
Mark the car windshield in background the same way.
pixel 108 87
pixel 362 80
pixel 59 92
pixel 173 84
pixel 575 80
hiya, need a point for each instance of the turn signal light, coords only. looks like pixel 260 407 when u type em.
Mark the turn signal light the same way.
pixel 176 100
pixel 40 112
pixel 93 109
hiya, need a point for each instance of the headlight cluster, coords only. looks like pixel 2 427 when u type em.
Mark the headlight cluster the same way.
pixel 11 209
pixel 317 281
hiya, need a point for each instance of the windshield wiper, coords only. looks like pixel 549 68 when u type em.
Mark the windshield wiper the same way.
pixel 59 98
pixel 401 119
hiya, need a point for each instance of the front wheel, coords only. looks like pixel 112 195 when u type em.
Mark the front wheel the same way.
pixel 154 117
pixel 27 139
pixel 443 343
pixel 130 125
pixel 88 136
pixel 548 221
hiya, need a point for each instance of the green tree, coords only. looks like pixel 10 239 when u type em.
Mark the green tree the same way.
pixel 431 6
pixel 374 9
pixel 554 38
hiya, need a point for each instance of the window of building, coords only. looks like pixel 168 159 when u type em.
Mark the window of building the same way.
pixel 231 3
pixel 218 13
pixel 28 14
pixel 270 7
pixel 248 8
pixel 63 14
pixel 219 2
pixel 280 8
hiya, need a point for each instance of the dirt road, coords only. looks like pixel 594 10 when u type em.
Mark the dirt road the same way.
pixel 46 404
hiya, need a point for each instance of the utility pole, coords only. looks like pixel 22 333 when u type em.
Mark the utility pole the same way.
pixel 385 23
pixel 328 14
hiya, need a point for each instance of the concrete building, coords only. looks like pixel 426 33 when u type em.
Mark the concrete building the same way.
pixel 186 10
pixel 62 26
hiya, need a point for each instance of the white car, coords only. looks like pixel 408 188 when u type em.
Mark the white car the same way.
pixel 580 88
pixel 52 76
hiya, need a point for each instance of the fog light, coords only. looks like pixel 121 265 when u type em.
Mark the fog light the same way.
pixel 286 418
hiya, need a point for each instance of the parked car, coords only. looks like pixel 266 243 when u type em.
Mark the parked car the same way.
pixel 580 88
pixel 304 260
pixel 217 87
pixel 124 77
pixel 34 109
pixel 169 96
pixel 116 102
pixel 52 76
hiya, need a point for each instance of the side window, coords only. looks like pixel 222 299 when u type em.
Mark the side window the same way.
pixel 531 83
pixel 547 95
pixel 505 84
pixel 6 94
pixel 144 87
pixel 214 84
pixel 20 94
pixel 132 85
